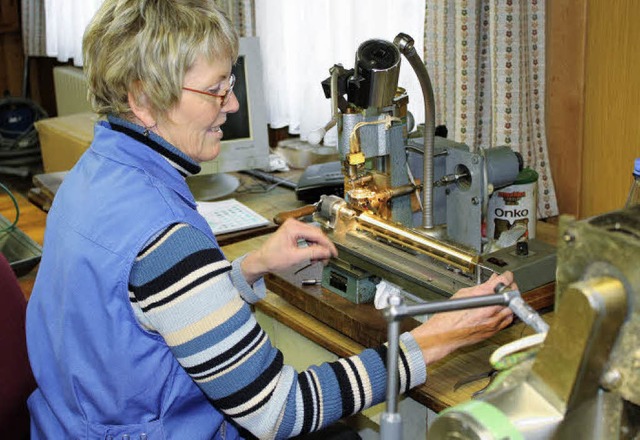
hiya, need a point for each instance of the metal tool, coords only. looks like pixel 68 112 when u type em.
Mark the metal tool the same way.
pixel 414 204
pixel 391 420
pixel 524 311
pixel 490 374
pixel 391 426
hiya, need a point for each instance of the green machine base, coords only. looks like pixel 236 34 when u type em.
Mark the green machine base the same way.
pixel 349 282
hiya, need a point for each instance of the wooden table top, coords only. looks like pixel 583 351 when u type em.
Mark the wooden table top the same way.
pixel 345 328
pixel 364 325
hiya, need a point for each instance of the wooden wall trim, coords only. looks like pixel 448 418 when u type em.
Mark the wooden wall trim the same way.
pixel 612 105
pixel 9 16
pixel 11 53
pixel 566 29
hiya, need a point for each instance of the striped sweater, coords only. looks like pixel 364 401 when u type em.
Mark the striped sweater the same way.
pixel 182 287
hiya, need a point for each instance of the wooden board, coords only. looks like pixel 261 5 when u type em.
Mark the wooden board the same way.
pixel 332 321
pixel 361 322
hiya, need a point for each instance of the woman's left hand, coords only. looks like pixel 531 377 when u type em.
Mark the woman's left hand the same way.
pixel 282 251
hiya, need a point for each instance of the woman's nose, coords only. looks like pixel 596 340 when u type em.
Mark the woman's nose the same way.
pixel 233 105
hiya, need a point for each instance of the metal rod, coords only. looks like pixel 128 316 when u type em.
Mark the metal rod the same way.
pixel 393 335
pixel 391 421
pixel 523 310
pixel 446 252
pixel 401 311
pixel 406 47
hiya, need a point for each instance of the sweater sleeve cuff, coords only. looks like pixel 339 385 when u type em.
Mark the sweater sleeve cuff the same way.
pixel 250 293
pixel 417 366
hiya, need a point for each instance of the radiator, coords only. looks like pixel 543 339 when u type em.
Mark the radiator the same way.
pixel 71 90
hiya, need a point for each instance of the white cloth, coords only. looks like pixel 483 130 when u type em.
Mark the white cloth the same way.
pixel 384 290
pixel 66 21
pixel 301 40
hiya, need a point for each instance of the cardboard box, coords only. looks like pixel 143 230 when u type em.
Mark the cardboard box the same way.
pixel 64 139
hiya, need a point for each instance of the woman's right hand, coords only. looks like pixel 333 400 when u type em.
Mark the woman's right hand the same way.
pixel 282 251
pixel 444 333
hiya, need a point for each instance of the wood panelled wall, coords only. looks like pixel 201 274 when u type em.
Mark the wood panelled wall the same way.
pixel 593 102
pixel 11 53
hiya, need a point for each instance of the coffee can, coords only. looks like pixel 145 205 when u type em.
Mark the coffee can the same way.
pixel 513 205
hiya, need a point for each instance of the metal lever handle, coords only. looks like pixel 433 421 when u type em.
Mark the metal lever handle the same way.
pixel 295 213
pixel 524 311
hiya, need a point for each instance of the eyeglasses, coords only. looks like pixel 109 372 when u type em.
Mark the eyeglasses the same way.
pixel 224 98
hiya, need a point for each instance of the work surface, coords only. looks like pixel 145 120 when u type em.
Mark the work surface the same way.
pixel 346 328
pixel 323 317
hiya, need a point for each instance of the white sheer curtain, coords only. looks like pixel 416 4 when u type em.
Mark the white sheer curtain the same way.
pixel 65 24
pixel 66 21
pixel 301 40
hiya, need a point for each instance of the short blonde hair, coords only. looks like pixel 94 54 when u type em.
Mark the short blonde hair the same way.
pixel 147 46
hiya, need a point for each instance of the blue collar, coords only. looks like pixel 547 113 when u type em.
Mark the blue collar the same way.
pixel 180 161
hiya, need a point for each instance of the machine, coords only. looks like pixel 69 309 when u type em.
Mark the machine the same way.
pixel 584 382
pixel 414 203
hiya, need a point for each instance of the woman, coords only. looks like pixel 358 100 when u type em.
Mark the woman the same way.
pixel 138 327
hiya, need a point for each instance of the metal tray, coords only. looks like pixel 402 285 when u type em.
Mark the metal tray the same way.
pixel 22 252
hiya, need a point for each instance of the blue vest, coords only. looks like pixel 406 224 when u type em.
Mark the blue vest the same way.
pixel 100 374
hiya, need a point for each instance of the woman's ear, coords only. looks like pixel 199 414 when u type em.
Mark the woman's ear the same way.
pixel 139 105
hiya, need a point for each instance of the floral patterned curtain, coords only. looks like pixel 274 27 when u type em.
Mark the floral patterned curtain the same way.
pixel 486 60
pixel 243 15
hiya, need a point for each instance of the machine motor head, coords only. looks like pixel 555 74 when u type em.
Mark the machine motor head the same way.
pixel 375 79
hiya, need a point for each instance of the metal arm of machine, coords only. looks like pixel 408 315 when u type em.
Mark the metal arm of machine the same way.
pixel 316 136
pixel 355 158
pixel 391 422
pixel 405 45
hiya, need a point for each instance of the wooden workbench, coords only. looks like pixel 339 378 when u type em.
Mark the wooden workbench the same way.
pixel 345 328
pixel 327 319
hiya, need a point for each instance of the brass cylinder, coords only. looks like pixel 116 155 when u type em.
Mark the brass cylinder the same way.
pixel 445 252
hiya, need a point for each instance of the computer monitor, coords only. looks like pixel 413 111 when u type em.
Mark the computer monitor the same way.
pixel 245 144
